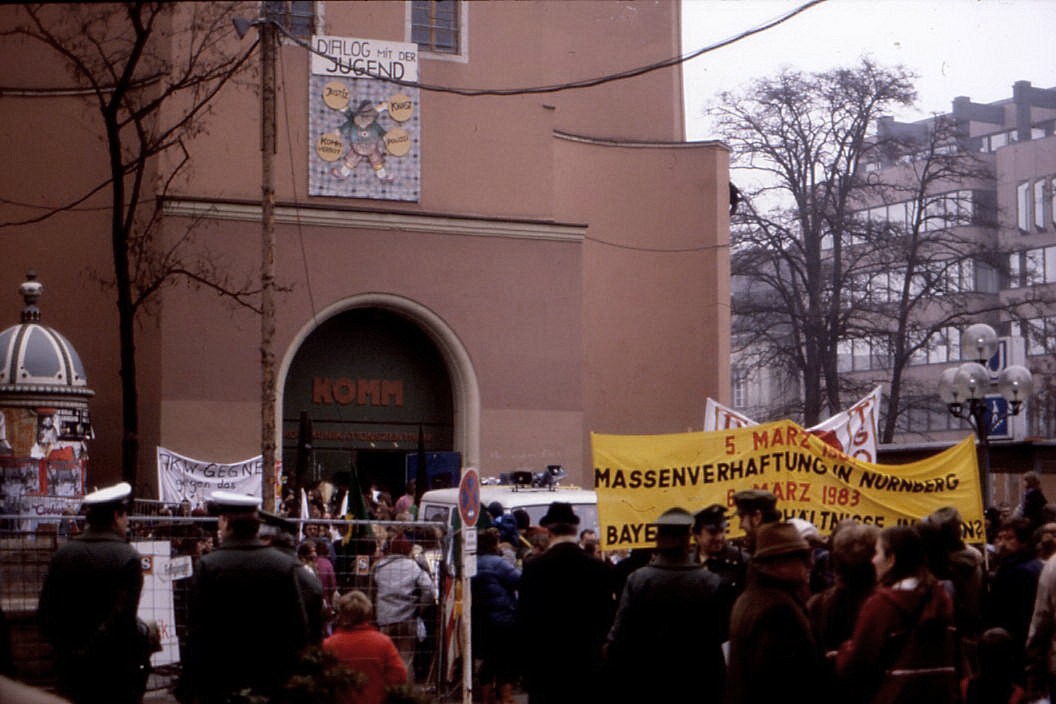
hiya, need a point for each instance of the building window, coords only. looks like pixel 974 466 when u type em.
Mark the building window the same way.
pixel 1039 204
pixel 1039 334
pixel 740 388
pixel 863 354
pixel 1023 206
pixel 298 18
pixel 942 346
pixel 1032 267
pixel 941 211
pixel 993 142
pixel 436 26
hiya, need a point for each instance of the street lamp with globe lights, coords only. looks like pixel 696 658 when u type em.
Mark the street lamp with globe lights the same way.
pixel 964 390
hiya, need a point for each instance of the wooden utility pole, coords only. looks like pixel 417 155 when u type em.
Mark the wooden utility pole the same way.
pixel 268 52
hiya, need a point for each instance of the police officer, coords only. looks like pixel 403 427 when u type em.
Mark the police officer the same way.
pixel 672 619
pixel 248 623
pixel 755 508
pixel 88 605
pixel 281 534
pixel 727 561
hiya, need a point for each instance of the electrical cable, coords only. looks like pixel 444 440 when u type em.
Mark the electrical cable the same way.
pixel 584 83
pixel 659 250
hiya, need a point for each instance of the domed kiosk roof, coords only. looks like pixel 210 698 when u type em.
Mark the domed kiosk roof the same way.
pixel 37 359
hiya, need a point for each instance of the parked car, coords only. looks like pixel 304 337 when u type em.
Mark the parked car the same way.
pixel 442 504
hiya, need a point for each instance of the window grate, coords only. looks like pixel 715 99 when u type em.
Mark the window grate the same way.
pixel 435 25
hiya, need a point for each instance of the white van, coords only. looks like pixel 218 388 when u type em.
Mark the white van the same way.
pixel 442 504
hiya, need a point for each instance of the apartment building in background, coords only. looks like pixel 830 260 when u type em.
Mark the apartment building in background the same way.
pixel 1005 213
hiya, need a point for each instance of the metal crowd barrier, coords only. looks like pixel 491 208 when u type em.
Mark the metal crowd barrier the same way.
pixel 172 544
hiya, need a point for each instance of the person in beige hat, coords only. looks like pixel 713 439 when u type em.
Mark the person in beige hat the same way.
pixel 771 644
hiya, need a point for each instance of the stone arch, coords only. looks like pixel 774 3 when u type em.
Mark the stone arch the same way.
pixel 464 388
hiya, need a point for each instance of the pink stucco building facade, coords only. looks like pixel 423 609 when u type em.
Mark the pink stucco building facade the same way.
pixel 562 266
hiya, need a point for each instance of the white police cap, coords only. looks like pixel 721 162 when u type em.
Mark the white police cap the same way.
pixel 109 495
pixel 232 502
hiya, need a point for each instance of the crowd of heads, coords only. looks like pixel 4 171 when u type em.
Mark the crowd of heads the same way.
pixel 856 558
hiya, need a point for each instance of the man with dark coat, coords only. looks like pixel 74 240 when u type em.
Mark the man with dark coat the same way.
pixel 1033 505
pixel 727 561
pixel 248 623
pixel 280 534
pixel 1010 603
pixel 564 613
pixel 88 607
pixel 672 620
pixel 773 656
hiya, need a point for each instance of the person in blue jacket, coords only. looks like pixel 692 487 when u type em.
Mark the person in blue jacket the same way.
pixel 495 619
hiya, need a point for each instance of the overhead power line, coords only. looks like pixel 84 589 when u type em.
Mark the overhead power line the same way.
pixel 584 83
pixel 554 88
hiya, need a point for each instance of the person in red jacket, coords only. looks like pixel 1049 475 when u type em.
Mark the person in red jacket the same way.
pixel 364 649
pixel 903 647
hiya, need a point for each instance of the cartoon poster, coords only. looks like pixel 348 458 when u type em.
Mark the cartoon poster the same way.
pixel 363 124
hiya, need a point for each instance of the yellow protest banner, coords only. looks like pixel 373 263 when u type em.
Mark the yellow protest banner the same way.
pixel 637 477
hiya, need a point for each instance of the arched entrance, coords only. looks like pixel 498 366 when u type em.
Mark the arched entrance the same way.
pixel 374 374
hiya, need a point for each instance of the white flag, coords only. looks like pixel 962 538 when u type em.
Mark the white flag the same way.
pixel 853 431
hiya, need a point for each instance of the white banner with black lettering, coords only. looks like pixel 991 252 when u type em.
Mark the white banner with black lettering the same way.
pixel 182 478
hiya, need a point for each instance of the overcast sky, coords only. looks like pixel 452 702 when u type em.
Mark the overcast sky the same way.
pixel 977 48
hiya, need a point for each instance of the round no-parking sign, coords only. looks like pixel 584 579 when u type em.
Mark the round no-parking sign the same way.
pixel 469 497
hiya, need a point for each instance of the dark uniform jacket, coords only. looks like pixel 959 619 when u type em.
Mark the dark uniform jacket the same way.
pixel 248 621
pixel 87 612
pixel 671 623
pixel 731 566
pixel 564 612
pixel 773 656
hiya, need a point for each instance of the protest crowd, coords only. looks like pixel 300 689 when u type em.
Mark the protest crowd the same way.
pixel 906 613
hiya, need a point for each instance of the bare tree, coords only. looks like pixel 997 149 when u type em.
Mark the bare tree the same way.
pixel 805 135
pixel 885 252
pixel 152 69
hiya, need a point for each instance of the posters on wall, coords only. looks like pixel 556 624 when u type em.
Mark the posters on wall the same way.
pixel 637 477
pixel 364 130
pixel 42 488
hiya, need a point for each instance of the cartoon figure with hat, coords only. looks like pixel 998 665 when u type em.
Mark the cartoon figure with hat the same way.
pixel 366 141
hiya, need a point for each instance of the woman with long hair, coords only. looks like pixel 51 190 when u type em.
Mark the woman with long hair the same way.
pixel 903 646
